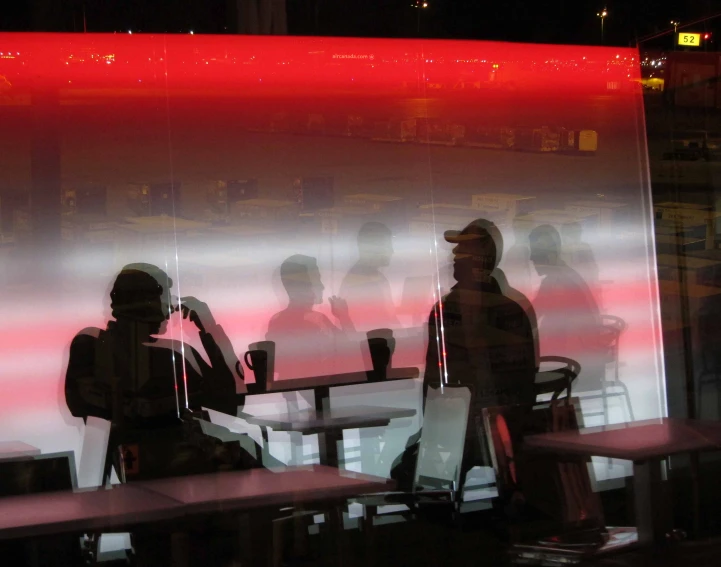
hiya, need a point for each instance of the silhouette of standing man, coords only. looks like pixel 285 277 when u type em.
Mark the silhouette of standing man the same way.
pixel 477 335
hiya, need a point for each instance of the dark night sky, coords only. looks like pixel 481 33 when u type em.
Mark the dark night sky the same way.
pixel 542 21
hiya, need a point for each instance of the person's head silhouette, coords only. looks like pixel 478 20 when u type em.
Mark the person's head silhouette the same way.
pixel 140 296
pixel 301 279
pixel 545 248
pixel 375 244
pixel 475 255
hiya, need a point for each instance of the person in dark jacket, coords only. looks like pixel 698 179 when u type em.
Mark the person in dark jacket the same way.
pixel 145 386
pixel 479 337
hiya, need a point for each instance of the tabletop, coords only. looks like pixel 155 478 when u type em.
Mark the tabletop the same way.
pixel 688 262
pixel 312 421
pixel 259 488
pixel 680 240
pixel 688 216
pixel 336 380
pixel 693 291
pixel 14 449
pixel 636 441
pixel 706 254
pixel 127 505
pixel 598 204
pixel 45 513
pixel 677 205
pixel 156 224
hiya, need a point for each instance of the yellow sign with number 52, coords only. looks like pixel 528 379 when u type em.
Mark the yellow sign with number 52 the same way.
pixel 689 39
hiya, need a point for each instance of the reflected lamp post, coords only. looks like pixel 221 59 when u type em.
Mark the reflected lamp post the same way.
pixel 419 5
pixel 675 24
pixel 602 14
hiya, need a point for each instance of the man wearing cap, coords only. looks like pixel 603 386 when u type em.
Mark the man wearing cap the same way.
pixel 477 335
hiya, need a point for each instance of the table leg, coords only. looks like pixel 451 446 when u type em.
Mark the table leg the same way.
pixel 261 528
pixel 180 549
pixel 710 234
pixel 337 530
pixel 696 493
pixel 652 518
pixel 328 447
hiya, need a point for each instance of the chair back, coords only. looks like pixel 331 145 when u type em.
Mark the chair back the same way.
pixel 612 328
pixel 445 423
pixel 94 450
pixel 558 380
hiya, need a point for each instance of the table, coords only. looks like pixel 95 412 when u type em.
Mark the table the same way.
pixel 693 216
pixel 15 449
pixel 658 207
pixel 607 211
pixel 131 505
pixel 328 424
pixel 701 271
pixel 646 443
pixel 144 230
pixel 262 488
pixel 559 218
pixel 509 204
pixel 334 380
pixel 670 228
pixel 48 513
pixel 672 242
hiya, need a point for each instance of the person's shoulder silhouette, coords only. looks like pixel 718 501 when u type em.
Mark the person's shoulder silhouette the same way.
pixel 569 317
pixel 305 337
pixel 365 287
pixel 562 289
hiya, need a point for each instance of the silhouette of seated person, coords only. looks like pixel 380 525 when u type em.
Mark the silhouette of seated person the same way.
pixel 569 320
pixel 477 337
pixel 307 342
pixel 365 287
pixel 144 385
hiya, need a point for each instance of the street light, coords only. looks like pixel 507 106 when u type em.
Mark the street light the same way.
pixel 675 24
pixel 602 14
pixel 420 5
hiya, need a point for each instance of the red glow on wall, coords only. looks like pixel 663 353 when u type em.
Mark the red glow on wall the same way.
pixel 196 65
